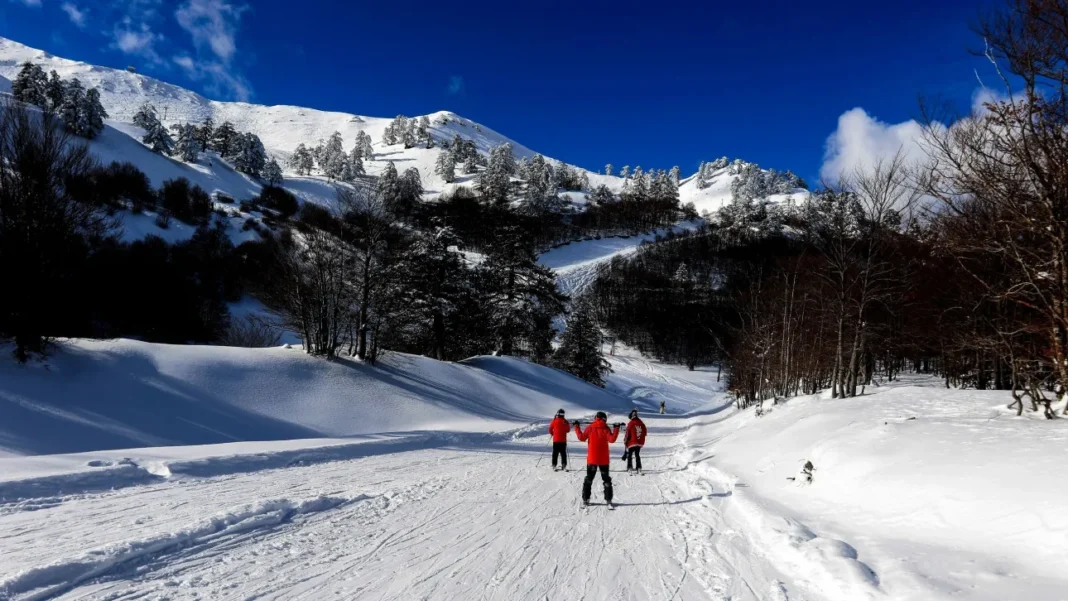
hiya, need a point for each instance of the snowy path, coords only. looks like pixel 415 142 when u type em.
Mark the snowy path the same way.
pixel 491 523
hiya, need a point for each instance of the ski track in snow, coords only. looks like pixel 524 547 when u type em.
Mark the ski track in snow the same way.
pixel 423 524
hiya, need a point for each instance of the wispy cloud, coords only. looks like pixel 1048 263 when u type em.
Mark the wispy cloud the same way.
pixel 218 78
pixel 212 24
pixel 456 85
pixel 77 15
pixel 33 3
pixel 137 39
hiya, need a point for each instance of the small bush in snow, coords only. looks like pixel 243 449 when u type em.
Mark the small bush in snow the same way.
pixel 187 203
pixel 280 200
pixel 251 332
pixel 163 219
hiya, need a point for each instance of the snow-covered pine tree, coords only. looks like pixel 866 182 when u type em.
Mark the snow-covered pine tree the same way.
pixel 346 170
pixel 437 284
pixel 204 133
pixel 186 145
pixel 608 169
pixel 410 136
pixel 272 173
pixel 445 168
pixel 580 349
pixel 71 109
pixel 250 156
pixel 625 172
pixel 495 182
pixel 30 85
pixel 600 196
pixel 584 181
pixel 411 187
pixel 423 132
pixel 539 182
pixel 301 161
pixel 676 175
pixel 388 187
pixel 223 139
pixel 93 113
pixel 156 136
pixel 356 164
pixel 363 147
pixel 332 158
pixel 54 91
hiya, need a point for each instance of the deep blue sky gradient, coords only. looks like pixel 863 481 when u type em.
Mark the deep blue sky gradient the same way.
pixel 655 84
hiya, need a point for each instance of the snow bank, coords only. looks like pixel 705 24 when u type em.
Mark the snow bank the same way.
pixel 95 395
pixel 939 490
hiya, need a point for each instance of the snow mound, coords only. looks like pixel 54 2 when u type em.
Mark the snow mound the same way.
pixel 98 395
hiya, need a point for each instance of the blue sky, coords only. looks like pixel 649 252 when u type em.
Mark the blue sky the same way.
pixel 586 82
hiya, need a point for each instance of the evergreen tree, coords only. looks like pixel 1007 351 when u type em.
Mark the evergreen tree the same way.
pixel 580 349
pixel 249 157
pixel 495 181
pixel 93 113
pixel 332 158
pixel 600 196
pixel 471 166
pixel 302 161
pixel 156 136
pixel 520 290
pixel 30 85
pixel 272 173
pixel 54 91
pixel 356 164
pixel 608 169
pixel 625 172
pixel 409 136
pixel 224 139
pixel 445 167
pixel 363 147
pixel 388 188
pixel 540 185
pixel 438 284
pixel 204 134
pixel 423 131
pixel 186 144
pixel 81 112
pixel 675 175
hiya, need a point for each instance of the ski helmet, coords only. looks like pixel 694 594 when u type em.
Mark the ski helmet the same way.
pixel 602 415
pixel 560 413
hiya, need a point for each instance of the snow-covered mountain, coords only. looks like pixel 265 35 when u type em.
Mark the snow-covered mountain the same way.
pixel 281 128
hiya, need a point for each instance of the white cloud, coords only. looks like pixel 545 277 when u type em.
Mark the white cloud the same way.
pixel 861 140
pixel 138 40
pixel 212 24
pixel 456 85
pixel 218 77
pixel 77 15
pixel 33 3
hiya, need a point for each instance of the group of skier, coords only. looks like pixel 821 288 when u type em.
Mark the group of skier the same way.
pixel 598 435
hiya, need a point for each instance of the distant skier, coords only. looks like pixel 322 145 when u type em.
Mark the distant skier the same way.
pixel 559 429
pixel 599 436
pixel 662 404
pixel 634 440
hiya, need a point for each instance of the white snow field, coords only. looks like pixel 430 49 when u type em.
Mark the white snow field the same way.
pixel 435 484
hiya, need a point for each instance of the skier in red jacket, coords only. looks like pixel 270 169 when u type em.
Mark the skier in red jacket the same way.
pixel 599 436
pixel 634 440
pixel 558 428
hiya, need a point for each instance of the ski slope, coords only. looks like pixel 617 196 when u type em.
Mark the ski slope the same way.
pixel 944 507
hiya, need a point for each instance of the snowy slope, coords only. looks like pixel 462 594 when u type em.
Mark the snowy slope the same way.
pixel 959 504
pixel 121 394
pixel 717 194
pixel 281 128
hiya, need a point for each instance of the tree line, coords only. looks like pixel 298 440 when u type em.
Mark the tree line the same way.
pixel 953 263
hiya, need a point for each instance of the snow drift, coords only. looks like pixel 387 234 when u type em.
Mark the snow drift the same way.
pixel 107 395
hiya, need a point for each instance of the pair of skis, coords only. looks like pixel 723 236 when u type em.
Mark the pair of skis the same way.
pixel 586 506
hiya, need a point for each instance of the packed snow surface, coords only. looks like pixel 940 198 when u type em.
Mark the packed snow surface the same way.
pixel 919 492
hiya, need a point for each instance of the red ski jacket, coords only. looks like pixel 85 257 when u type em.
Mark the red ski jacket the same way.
pixel 559 429
pixel 599 436
pixel 635 434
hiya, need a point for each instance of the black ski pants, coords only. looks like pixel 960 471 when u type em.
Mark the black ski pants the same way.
pixel 634 456
pixel 587 484
pixel 560 450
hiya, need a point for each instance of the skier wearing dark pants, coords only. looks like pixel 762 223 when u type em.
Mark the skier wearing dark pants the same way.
pixel 558 428
pixel 598 436
pixel 634 440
